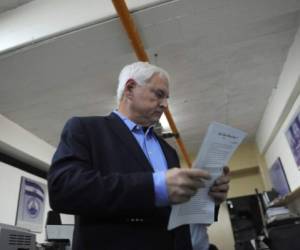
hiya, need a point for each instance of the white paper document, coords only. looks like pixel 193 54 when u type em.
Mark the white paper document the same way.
pixel 219 144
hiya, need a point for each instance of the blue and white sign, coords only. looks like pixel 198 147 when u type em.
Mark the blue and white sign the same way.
pixel 31 205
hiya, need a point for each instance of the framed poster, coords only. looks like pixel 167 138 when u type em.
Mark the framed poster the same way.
pixel 293 137
pixel 278 178
pixel 31 205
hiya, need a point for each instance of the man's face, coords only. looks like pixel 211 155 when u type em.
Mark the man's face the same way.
pixel 149 101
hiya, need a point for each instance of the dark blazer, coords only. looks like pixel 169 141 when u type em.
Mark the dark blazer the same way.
pixel 100 174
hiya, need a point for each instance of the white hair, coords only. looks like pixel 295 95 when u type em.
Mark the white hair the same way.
pixel 140 72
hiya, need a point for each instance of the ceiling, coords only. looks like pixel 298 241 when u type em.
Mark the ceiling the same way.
pixel 6 5
pixel 224 58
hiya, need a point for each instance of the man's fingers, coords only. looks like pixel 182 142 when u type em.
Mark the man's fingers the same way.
pixel 222 180
pixel 182 184
pixel 219 193
pixel 226 170
pixel 191 183
pixel 218 197
pixel 197 174
pixel 220 188
pixel 190 191
pixel 195 184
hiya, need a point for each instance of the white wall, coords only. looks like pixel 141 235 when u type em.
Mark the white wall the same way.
pixel 283 105
pixel 282 97
pixel 280 148
pixel 23 145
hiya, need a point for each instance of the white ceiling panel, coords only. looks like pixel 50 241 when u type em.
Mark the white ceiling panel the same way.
pixel 6 5
pixel 224 58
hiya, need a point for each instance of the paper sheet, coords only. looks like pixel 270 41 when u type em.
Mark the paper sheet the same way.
pixel 219 144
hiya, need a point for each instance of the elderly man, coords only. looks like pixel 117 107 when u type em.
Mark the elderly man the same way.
pixel 119 178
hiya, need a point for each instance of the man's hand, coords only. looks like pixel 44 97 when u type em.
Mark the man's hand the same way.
pixel 219 189
pixel 182 184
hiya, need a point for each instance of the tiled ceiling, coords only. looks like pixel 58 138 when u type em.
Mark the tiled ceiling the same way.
pixel 224 58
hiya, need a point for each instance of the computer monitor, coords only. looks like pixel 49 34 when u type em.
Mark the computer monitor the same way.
pixel 278 178
pixel 31 204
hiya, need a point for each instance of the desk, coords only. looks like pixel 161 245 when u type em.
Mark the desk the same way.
pixel 282 234
pixel 250 224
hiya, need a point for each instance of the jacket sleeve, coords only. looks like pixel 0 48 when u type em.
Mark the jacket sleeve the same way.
pixel 77 187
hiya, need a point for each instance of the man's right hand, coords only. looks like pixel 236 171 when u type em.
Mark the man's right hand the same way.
pixel 182 184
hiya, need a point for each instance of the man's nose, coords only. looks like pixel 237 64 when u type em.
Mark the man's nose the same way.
pixel 164 102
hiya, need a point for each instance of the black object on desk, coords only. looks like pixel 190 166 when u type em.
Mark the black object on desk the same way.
pixel 245 220
pixel 284 236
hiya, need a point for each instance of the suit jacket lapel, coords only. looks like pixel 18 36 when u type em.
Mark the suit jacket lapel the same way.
pixel 120 129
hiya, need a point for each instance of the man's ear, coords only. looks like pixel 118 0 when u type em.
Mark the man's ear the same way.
pixel 129 87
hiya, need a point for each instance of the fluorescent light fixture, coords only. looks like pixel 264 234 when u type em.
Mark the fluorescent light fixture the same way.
pixel 164 123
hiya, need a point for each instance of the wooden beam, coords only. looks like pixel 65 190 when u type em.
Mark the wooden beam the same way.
pixel 141 54
pixel 130 28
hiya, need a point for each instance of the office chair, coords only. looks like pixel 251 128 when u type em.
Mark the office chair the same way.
pixel 53 218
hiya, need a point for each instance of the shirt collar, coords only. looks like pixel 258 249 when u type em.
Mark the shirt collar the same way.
pixel 132 125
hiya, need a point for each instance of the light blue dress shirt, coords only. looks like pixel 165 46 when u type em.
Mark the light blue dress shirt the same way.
pixel 152 150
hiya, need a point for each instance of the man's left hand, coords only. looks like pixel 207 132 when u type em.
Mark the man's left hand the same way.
pixel 219 189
